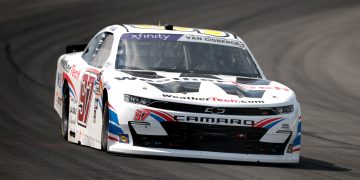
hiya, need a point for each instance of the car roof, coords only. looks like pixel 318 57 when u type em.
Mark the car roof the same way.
pixel 146 28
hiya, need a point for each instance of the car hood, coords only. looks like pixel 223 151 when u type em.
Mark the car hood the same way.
pixel 203 89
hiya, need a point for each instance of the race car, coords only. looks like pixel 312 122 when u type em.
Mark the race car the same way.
pixel 175 91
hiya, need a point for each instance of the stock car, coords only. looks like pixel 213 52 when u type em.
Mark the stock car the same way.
pixel 175 91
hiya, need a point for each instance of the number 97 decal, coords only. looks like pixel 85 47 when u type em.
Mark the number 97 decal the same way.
pixel 87 86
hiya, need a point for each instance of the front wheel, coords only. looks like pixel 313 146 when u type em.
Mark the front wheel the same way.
pixel 105 127
pixel 65 112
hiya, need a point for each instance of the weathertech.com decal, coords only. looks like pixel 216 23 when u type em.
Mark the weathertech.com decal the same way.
pixel 212 99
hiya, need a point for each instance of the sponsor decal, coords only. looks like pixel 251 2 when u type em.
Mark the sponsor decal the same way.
pixel 73 110
pixel 97 91
pixel 212 40
pixel 65 65
pixel 124 138
pixel 285 126
pixel 213 120
pixel 212 99
pixel 151 36
pixel 59 80
pixel 236 101
pixel 97 85
pixel 59 101
pixel 75 73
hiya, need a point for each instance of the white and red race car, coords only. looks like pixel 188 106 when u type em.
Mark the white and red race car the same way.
pixel 175 91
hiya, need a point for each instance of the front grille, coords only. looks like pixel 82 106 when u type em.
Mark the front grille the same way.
pixel 203 109
pixel 204 137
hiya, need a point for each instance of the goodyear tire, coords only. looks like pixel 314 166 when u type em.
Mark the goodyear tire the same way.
pixel 105 127
pixel 65 112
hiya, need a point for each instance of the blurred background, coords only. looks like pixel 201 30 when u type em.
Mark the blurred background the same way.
pixel 313 46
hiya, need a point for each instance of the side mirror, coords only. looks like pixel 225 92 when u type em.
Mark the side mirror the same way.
pixel 75 48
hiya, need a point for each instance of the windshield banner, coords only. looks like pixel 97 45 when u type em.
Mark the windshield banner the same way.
pixel 182 37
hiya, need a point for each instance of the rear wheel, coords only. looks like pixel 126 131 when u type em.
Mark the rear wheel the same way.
pixel 65 112
pixel 105 127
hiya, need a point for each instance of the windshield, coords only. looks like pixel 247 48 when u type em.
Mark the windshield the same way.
pixel 184 53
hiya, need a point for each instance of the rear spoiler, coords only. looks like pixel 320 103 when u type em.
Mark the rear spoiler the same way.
pixel 75 48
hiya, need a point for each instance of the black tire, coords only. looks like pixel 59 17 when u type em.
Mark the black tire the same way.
pixel 105 127
pixel 65 112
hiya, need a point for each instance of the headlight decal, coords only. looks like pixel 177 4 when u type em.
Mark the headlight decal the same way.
pixel 137 100
pixel 284 109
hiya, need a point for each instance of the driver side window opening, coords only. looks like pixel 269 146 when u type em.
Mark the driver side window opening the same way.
pixel 98 50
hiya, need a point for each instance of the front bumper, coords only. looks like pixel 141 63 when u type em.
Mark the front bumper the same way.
pixel 204 141
pixel 129 149
pixel 215 138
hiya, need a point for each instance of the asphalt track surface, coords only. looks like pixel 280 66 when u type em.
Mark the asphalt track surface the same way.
pixel 313 46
